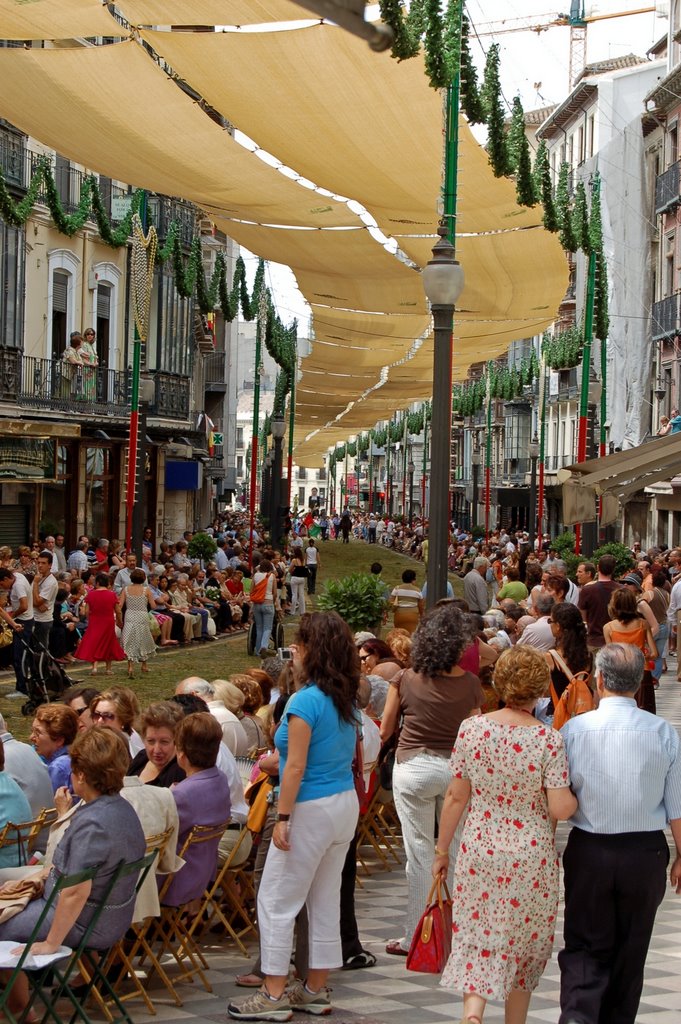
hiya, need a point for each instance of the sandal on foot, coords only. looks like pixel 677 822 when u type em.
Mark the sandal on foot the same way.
pixel 394 948
pixel 363 959
pixel 249 980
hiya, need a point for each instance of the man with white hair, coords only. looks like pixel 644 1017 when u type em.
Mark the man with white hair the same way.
pixel 475 592
pixel 233 733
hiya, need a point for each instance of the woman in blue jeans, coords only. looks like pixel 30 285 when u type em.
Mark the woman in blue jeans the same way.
pixel 263 611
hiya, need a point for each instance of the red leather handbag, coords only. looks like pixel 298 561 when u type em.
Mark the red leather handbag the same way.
pixel 432 940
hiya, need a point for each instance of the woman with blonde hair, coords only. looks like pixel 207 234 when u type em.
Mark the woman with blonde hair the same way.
pixel 253 726
pixel 399 642
pixel 514 771
pixel 118 708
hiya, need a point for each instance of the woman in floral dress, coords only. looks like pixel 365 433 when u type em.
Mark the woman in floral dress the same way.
pixel 514 771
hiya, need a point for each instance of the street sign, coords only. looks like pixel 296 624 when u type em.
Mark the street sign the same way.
pixel 120 205
pixel 218 439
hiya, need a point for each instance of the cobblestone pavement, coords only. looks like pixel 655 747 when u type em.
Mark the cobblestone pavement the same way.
pixel 389 993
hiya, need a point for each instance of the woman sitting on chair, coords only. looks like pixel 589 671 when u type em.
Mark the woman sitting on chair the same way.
pixel 99 760
pixel 202 799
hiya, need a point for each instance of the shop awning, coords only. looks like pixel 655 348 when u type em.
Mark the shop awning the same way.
pixel 616 478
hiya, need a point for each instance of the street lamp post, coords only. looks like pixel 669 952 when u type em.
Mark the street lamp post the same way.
pixel 278 424
pixel 476 462
pixel 442 282
pixel 534 455
pixel 411 467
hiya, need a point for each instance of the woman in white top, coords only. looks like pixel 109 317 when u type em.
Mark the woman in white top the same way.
pixel 263 611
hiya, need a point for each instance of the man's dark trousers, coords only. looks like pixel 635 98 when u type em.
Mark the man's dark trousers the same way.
pixel 613 887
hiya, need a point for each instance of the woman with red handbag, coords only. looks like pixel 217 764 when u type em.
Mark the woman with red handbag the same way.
pixel 514 771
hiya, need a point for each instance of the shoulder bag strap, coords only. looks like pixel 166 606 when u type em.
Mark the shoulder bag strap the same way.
pixel 562 665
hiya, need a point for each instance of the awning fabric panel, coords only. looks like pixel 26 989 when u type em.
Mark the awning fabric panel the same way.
pixel 55 19
pixel 210 12
pixel 616 477
pixel 367 129
pixel 85 103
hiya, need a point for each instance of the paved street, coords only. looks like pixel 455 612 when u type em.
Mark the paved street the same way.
pixel 389 993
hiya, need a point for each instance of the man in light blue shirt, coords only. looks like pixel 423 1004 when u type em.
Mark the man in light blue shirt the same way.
pixel 625 767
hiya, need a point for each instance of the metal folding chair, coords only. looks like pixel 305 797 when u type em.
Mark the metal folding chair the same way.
pixel 109 972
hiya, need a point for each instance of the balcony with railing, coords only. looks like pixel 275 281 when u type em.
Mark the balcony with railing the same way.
pixel 214 372
pixel 55 385
pixel 85 391
pixel 215 467
pixel 667 189
pixel 171 395
pixel 665 320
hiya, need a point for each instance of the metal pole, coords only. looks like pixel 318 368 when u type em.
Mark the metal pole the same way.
pixel 440 431
pixel 291 425
pixel 603 432
pixel 533 499
pixel 371 472
pixel 277 482
pixel 488 459
pixel 411 497
pixel 404 470
pixel 476 485
pixel 134 431
pixel 256 416
pixel 542 453
pixel 346 499
pixel 586 364
pixel 388 488
pixel 423 467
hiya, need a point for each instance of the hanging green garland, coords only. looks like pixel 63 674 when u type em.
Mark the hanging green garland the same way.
pixel 563 350
pixel 580 219
pixel 471 102
pixel 497 147
pixel 567 235
pixel 90 206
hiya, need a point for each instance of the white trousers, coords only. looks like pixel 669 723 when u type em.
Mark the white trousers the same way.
pixel 298 595
pixel 309 873
pixel 419 788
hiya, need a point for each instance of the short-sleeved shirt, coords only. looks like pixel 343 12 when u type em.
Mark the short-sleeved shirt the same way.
pixel 13 807
pixel 47 589
pixel 21 588
pixel 332 744
pixel 433 708
pixel 594 601
pixel 514 589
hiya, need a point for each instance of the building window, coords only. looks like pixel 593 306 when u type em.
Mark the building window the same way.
pixel 673 144
pixel 669 265
pixel 11 286
pixel 171 323
pixel 99 496
pixel 580 146
pixel 591 133
pixel 301 495
pixel 239 437
pixel 60 308
pixel 321 474
pixel 239 465
pixel 302 473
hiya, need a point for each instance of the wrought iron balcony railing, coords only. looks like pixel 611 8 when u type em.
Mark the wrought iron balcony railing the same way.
pixel 665 320
pixel 667 189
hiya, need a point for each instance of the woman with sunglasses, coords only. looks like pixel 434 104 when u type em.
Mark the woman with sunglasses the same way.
pixel 117 708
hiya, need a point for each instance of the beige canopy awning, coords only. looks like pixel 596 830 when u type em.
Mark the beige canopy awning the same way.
pixel 350 123
pixel 616 478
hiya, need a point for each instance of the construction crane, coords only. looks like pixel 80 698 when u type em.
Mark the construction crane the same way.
pixel 577 21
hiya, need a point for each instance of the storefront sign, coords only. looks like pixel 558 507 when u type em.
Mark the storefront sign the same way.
pixel 28 459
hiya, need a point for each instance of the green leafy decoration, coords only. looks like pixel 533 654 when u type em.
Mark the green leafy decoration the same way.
pixel 90 206
pixel 580 218
pixel 516 133
pixel 471 101
pixel 437 68
pixel 407 28
pixel 567 235
pixel 524 182
pixel 491 98
pixel 542 180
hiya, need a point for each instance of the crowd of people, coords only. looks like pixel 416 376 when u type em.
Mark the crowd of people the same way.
pixel 453 714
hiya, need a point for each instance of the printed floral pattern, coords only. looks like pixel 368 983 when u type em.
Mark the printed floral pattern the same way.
pixel 506 877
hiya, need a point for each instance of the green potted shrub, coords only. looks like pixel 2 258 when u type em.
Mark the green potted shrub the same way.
pixel 359 599
pixel 624 560
pixel 202 546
